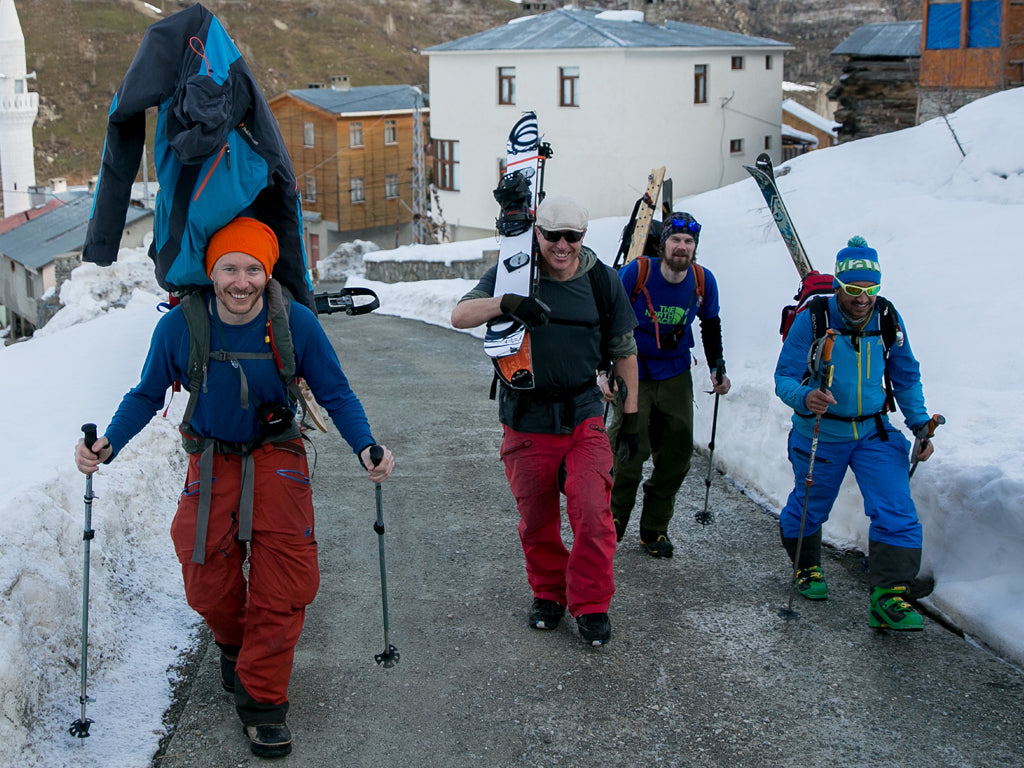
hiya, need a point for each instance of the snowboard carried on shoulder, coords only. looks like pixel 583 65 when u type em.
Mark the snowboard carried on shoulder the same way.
pixel 634 236
pixel 506 340
pixel 812 282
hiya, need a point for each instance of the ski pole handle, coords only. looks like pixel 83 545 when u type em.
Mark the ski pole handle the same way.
pixel 89 436
pixel 376 454
pixel 928 429
pixel 826 359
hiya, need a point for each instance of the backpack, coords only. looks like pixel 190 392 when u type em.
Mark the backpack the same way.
pixel 281 426
pixel 815 284
pixel 888 329
pixel 643 265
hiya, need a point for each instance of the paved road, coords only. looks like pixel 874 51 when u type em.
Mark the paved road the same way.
pixel 701 670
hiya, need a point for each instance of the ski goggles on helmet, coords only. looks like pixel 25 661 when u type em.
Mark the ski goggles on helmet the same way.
pixel 567 234
pixel 684 225
pixel 857 290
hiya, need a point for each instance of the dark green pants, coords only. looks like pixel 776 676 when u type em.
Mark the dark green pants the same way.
pixel 666 436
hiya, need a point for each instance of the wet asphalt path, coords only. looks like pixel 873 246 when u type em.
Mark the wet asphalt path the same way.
pixel 701 669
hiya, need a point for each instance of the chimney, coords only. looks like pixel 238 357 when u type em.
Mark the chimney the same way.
pixel 93 181
pixel 314 86
pixel 36 196
pixel 340 83
pixel 59 184
pixel 654 11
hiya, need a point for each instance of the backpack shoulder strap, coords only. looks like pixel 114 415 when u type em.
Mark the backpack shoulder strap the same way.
pixel 698 277
pixel 643 269
pixel 888 325
pixel 818 307
pixel 195 308
pixel 279 307
pixel 601 288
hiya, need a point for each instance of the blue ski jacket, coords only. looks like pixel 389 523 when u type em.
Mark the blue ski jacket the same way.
pixel 218 153
pixel 857 381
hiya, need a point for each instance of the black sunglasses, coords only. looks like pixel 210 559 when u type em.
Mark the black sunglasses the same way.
pixel 554 237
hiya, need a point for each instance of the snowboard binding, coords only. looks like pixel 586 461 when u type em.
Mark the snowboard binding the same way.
pixel 514 196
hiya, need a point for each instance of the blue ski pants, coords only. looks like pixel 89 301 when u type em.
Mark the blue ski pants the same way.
pixel 882 470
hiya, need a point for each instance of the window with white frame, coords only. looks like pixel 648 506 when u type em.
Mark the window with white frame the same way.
pixel 309 194
pixel 355 134
pixel 308 135
pixel 446 164
pixel 357 193
pixel 390 131
pixel 391 186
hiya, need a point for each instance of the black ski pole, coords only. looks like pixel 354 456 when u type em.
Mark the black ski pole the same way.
pixel 390 655
pixel 825 372
pixel 926 433
pixel 80 727
pixel 705 517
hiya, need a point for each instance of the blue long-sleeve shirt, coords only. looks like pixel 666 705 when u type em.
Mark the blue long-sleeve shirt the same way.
pixel 857 381
pixel 219 413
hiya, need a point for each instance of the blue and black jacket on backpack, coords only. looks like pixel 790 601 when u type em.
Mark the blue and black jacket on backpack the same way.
pixel 218 153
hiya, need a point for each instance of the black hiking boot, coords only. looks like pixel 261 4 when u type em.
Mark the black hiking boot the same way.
pixel 595 628
pixel 545 614
pixel 227 673
pixel 269 740
pixel 657 543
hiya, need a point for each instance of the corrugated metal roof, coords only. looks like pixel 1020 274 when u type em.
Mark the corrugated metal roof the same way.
pixel 370 98
pixel 897 39
pixel 38 242
pixel 578 28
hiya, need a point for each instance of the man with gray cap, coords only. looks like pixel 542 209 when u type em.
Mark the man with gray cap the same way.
pixel 561 421
pixel 673 292
pixel 873 370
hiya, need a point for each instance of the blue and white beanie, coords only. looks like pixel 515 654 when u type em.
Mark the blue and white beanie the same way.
pixel 857 262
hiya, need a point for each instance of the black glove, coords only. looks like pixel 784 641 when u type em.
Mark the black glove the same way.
pixel 529 311
pixel 628 439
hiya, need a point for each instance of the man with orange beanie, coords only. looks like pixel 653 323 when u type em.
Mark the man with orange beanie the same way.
pixel 247 495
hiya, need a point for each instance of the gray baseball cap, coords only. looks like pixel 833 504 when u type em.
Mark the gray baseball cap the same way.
pixel 561 212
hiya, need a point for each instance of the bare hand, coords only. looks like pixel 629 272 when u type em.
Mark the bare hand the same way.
pixel 818 401
pixel 381 472
pixel 608 388
pixel 925 449
pixel 720 388
pixel 89 458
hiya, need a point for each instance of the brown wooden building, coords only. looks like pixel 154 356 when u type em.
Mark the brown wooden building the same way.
pixel 354 154
pixel 878 69
pixel 970 49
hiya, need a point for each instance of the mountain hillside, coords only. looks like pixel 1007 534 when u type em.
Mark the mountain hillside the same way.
pixel 80 49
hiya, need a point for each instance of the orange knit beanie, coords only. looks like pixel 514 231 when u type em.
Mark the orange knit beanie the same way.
pixel 244 235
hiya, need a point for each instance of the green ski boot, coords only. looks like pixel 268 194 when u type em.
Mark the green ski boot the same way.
pixel 889 610
pixel 810 582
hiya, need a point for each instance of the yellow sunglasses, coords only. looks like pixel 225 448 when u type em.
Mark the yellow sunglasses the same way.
pixel 856 290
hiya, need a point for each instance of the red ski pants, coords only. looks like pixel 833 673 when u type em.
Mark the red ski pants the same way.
pixel 263 615
pixel 581 579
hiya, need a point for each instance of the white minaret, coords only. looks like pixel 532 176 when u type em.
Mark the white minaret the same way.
pixel 18 109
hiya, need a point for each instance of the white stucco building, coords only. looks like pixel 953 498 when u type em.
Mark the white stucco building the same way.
pixel 614 96
pixel 18 109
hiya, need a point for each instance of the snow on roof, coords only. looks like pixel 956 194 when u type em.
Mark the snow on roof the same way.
pixel 809 116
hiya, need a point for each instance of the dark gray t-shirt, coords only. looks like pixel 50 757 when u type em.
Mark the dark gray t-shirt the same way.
pixel 566 351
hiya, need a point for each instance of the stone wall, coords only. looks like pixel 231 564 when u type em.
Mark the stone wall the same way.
pixel 409 271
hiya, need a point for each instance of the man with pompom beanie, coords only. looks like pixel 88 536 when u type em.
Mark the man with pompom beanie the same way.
pixel 247 498
pixel 854 431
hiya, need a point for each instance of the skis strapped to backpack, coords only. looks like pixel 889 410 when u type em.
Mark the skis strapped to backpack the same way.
pixel 634 236
pixel 506 340
pixel 812 282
